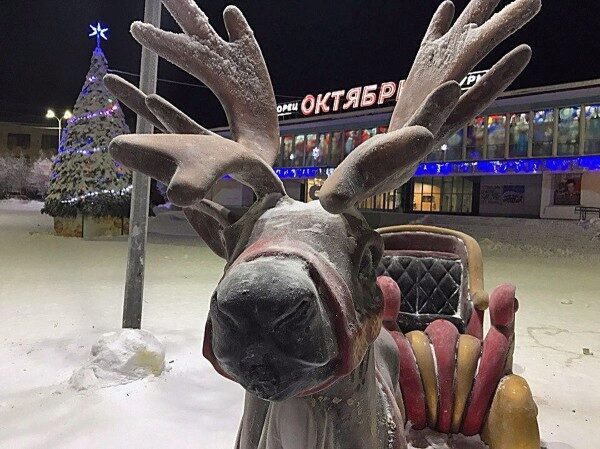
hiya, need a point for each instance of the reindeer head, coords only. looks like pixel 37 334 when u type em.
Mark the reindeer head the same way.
pixel 298 304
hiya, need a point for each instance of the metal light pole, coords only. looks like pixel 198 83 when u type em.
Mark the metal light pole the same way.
pixel 140 195
pixel 66 116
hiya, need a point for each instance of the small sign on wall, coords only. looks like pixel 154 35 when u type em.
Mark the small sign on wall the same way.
pixel 491 194
pixel 503 194
pixel 513 194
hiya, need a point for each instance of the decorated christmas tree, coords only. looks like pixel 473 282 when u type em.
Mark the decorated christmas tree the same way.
pixel 85 179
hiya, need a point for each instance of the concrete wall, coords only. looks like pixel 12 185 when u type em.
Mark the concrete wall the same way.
pixel 590 189
pixel 230 193
pixel 590 196
pixel 503 207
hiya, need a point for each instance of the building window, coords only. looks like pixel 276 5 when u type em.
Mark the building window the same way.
pixel 337 148
pixel 592 129
pixel 313 150
pixel 427 195
pixel 454 146
pixel 568 131
pixel 18 142
pixel 475 138
pixel 350 139
pixel 356 137
pixel 518 145
pixel 299 151
pixel 438 153
pixel 443 194
pixel 567 189
pixel 543 132
pixel 389 201
pixel 49 142
pixel 496 136
pixel 287 149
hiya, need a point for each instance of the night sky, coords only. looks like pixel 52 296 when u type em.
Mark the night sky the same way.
pixel 310 46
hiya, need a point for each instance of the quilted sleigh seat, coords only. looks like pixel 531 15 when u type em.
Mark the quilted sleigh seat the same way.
pixel 453 379
pixel 440 275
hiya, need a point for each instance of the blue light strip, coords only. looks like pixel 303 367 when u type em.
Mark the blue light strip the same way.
pixel 511 166
pixel 493 167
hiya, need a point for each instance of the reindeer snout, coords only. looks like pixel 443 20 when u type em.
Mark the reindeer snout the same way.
pixel 267 293
pixel 269 325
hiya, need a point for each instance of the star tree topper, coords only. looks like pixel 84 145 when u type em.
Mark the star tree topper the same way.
pixel 99 32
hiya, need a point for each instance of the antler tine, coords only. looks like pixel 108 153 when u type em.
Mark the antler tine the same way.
pixel 235 71
pixel 191 164
pixel 430 98
pixel 162 114
pixel 174 120
pixel 386 161
pixel 449 53
pixel 131 97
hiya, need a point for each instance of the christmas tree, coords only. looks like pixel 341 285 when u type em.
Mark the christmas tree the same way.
pixel 84 178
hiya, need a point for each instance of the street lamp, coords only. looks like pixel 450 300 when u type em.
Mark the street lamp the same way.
pixel 66 116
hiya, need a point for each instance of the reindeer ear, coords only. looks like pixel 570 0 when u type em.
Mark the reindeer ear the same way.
pixel 209 230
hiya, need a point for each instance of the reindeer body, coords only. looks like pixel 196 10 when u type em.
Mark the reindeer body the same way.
pixel 360 410
pixel 299 319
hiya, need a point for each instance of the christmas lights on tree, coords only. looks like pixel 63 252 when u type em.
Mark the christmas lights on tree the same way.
pixel 85 179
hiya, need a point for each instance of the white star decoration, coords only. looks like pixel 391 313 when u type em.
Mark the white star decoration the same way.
pixel 99 32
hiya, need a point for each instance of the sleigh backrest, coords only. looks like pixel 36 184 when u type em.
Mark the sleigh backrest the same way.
pixel 440 275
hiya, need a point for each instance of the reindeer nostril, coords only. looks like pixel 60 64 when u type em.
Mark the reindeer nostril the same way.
pixel 299 313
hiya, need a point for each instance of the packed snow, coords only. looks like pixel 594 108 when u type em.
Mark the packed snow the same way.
pixel 60 296
pixel 120 357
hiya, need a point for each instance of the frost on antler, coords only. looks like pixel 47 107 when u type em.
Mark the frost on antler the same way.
pixel 430 97
pixel 234 70
pixel 162 114
pixel 191 164
pixel 192 159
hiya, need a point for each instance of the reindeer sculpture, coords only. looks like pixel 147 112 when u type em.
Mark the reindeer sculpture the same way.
pixel 297 316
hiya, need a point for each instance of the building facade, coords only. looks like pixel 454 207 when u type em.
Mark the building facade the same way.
pixel 27 140
pixel 532 153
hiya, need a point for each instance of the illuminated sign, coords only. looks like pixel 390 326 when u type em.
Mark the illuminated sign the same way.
pixel 355 98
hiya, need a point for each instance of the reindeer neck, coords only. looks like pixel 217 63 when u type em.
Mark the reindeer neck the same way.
pixel 352 413
pixel 356 407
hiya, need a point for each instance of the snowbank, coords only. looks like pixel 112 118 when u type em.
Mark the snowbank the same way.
pixel 119 358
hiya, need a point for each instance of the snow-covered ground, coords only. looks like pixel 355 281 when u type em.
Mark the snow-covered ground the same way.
pixel 59 295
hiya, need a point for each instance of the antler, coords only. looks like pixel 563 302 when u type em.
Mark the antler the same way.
pixel 206 217
pixel 430 107
pixel 192 160
pixel 235 71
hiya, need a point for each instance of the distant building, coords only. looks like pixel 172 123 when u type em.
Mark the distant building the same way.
pixel 533 153
pixel 28 140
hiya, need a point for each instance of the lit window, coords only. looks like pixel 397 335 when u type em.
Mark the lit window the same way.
pixel 592 129
pixel 568 131
pixel 543 132
pixel 18 142
pixel 475 138
pixel 496 136
pixel 518 135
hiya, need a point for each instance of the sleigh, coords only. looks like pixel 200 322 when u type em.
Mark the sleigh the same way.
pixel 452 378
